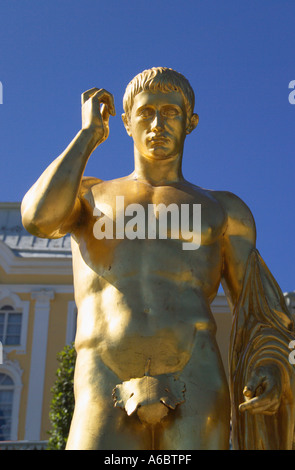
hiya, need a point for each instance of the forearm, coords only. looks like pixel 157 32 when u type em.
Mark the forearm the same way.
pixel 53 199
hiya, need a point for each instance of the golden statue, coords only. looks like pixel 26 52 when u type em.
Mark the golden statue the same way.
pixel 148 372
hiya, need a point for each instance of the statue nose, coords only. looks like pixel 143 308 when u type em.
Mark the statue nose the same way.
pixel 157 122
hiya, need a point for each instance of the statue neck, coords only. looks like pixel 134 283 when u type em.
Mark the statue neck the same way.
pixel 158 171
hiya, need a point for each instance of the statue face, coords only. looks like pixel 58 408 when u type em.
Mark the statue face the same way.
pixel 158 124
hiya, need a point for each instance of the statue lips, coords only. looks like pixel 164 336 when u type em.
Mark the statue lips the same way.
pixel 158 139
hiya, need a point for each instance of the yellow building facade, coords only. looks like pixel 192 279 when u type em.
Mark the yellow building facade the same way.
pixel 38 318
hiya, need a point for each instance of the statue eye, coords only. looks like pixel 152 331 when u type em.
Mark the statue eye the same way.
pixel 170 111
pixel 145 113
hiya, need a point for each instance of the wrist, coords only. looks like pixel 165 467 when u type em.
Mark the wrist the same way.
pixel 89 138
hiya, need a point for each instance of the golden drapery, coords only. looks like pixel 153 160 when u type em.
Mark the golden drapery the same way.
pixel 261 332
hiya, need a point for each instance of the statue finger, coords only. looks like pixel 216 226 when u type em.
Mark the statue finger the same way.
pixel 254 387
pixel 87 94
pixel 107 99
pixel 260 404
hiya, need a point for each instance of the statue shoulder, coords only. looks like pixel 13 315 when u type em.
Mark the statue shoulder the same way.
pixel 240 220
pixel 87 183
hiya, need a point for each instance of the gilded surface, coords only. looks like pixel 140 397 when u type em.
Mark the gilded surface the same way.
pixel 148 393
pixel 147 301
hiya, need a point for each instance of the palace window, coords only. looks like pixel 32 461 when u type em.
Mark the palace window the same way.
pixel 6 402
pixel 10 326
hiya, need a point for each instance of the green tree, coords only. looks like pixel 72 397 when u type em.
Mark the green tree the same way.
pixel 62 404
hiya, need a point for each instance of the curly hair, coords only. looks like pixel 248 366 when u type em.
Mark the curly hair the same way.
pixel 159 79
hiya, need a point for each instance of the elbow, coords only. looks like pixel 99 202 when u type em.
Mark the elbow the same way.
pixel 32 225
pixel 40 223
pixel 39 229
pixel 33 229
pixel 32 222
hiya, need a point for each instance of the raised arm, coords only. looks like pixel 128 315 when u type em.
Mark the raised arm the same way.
pixel 52 206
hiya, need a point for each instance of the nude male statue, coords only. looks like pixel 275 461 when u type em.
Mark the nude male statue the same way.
pixel 148 372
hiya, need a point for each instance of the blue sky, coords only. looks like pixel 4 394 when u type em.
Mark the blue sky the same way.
pixel 238 56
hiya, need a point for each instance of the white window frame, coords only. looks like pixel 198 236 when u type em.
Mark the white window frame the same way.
pixel 20 306
pixel 9 309
pixel 13 370
pixel 4 388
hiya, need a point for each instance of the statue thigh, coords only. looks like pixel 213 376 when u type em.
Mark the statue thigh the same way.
pixel 201 423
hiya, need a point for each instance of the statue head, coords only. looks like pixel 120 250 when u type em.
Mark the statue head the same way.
pixel 161 79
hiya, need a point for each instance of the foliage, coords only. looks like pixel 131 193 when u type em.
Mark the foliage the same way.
pixel 62 404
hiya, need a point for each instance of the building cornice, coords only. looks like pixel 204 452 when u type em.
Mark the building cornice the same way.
pixel 13 264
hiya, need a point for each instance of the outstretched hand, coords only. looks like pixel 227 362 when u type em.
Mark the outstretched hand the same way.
pixel 97 106
pixel 263 391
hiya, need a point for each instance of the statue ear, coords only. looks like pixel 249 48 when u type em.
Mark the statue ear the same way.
pixel 192 123
pixel 126 124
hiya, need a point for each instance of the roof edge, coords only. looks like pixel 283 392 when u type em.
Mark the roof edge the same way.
pixel 10 205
